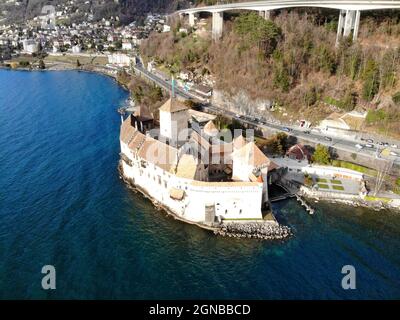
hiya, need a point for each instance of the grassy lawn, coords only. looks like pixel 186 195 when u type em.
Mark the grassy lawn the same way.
pixel 323 186
pixel 355 167
pixel 338 188
pixel 336 182
pixel 372 198
pixel 83 60
pixel 322 180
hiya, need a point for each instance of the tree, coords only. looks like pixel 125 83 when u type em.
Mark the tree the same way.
pixel 278 143
pixel 78 64
pixel 371 80
pixel 41 64
pixel 255 30
pixel 321 155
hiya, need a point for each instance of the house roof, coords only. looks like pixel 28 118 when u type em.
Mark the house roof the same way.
pixel 187 167
pixel 210 128
pixel 252 155
pixel 158 153
pixel 239 142
pixel 173 105
pixel 200 140
pixel 143 113
pixel 127 130
pixel 299 152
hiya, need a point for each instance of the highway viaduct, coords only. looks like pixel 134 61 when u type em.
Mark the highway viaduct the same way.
pixel 349 12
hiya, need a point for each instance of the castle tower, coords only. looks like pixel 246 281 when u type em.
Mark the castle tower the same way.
pixel 174 122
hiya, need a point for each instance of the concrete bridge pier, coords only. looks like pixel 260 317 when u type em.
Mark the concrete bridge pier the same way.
pixel 191 19
pixel 217 25
pixel 348 20
pixel 266 14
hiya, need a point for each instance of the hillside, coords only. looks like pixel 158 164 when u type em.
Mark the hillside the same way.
pixel 292 61
pixel 126 10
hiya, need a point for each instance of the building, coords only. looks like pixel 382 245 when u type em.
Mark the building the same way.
pixel 76 49
pixel 191 176
pixel 30 46
pixel 174 122
pixel 298 152
pixel 119 59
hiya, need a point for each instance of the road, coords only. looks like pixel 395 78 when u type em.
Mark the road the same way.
pixel 312 135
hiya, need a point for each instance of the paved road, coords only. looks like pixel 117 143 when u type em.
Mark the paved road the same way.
pixel 312 136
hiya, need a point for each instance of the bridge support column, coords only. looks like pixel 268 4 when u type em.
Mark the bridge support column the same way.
pixel 266 14
pixel 217 25
pixel 191 19
pixel 348 20
pixel 356 25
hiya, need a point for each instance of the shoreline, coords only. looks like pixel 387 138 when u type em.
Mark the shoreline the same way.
pixel 250 230
pixel 71 67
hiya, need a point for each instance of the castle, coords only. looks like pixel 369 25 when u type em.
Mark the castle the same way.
pixel 187 168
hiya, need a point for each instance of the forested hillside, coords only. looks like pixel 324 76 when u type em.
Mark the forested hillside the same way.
pixel 292 60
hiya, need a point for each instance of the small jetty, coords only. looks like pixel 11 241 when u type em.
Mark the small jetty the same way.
pixel 308 208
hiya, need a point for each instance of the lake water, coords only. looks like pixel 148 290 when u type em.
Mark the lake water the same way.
pixel 62 203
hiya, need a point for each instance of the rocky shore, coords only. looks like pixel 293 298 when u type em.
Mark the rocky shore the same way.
pixel 255 230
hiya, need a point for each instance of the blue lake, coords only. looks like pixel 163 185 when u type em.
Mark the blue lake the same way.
pixel 62 203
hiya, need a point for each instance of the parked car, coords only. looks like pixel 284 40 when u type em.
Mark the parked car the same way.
pixel 369 145
pixel 287 129
pixel 328 138
pixel 370 141
pixel 359 146
pixel 394 146
pixel 392 153
pixel 307 132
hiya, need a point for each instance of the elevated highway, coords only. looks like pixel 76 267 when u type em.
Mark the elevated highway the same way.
pixel 349 15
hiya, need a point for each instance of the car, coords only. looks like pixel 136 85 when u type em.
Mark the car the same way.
pixel 392 153
pixel 286 129
pixel 328 138
pixel 394 146
pixel 307 132
pixel 369 145
pixel 370 141
pixel 237 115
pixel 359 146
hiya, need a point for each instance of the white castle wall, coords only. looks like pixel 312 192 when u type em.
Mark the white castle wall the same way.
pixel 231 200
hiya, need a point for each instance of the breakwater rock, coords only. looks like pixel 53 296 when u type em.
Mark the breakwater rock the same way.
pixel 255 230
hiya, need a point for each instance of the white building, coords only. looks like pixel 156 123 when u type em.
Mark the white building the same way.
pixel 119 59
pixel 127 46
pixel 174 121
pixel 30 46
pixel 76 49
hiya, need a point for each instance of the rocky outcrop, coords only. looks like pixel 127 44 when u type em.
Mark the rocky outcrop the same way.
pixel 255 230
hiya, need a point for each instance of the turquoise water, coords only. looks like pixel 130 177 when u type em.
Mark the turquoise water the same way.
pixel 62 203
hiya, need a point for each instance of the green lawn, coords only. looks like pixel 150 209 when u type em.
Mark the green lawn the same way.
pixel 338 188
pixel 323 186
pixel 372 198
pixel 355 167
pixel 322 180
pixel 336 182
